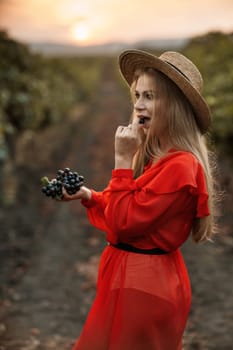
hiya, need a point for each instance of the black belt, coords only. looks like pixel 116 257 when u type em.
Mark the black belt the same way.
pixel 130 248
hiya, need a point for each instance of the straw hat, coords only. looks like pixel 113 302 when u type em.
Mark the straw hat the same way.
pixel 176 67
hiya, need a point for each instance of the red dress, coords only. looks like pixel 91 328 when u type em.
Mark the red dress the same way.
pixel 143 301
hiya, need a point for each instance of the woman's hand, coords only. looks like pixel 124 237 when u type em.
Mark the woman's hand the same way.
pixel 83 193
pixel 127 141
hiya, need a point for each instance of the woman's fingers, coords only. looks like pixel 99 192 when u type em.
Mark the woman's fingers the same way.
pixel 66 196
pixel 131 129
pixel 83 193
pixel 127 140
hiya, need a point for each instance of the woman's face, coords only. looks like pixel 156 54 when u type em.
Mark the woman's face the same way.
pixel 145 97
pixel 147 105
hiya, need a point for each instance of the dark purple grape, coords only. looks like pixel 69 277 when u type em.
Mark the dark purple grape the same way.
pixel 44 189
pixel 66 178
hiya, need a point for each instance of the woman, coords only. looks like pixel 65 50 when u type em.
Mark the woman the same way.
pixel 161 191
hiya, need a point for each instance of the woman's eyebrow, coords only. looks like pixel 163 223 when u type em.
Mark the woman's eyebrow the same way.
pixel 146 91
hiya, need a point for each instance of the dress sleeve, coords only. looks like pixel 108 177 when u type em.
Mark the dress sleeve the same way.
pixel 95 210
pixel 136 206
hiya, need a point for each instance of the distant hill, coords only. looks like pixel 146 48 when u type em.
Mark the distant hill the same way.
pixel 51 49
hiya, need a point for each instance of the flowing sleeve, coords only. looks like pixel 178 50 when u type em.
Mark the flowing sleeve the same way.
pixel 95 210
pixel 167 190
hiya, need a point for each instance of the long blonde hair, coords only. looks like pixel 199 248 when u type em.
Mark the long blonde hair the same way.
pixel 184 135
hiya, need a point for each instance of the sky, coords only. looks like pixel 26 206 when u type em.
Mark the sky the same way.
pixel 88 22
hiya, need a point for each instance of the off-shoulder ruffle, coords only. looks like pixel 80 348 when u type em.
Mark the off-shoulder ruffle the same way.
pixel 176 172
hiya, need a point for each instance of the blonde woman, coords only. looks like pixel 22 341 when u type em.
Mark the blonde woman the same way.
pixel 161 191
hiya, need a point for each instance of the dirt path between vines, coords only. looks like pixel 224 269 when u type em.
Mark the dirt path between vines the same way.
pixel 46 308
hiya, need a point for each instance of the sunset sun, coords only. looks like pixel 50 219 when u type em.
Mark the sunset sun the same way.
pixel 80 32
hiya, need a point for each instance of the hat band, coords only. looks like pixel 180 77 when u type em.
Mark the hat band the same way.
pixel 178 70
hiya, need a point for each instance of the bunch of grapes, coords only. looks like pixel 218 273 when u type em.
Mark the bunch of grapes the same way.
pixel 66 178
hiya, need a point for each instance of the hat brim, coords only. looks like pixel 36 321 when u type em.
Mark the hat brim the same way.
pixel 131 60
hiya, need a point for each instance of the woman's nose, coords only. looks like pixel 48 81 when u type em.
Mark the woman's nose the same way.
pixel 139 104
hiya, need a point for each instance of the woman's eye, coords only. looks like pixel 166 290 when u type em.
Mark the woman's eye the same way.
pixel 136 96
pixel 149 96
